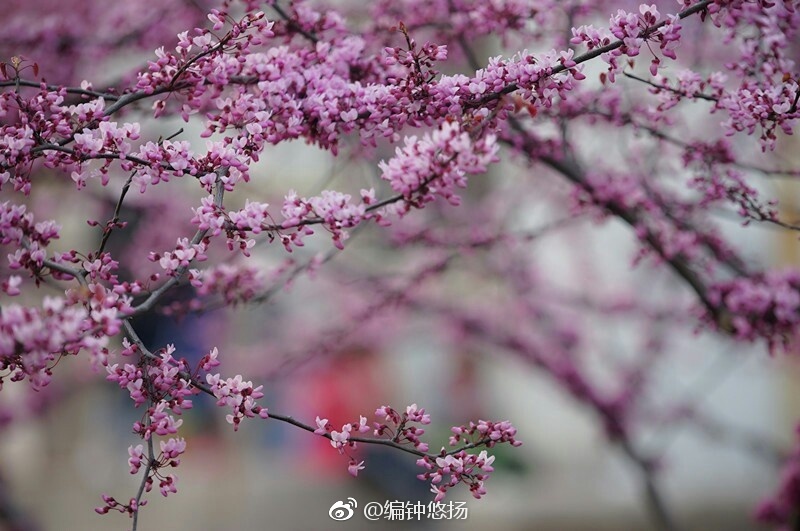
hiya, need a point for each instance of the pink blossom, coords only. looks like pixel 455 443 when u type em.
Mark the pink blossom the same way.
pixel 353 467
pixel 136 456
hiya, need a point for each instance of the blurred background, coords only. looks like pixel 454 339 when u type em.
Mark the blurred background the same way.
pixel 388 322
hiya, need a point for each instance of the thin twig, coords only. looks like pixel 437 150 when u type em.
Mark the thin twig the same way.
pixel 115 217
pixel 696 95
pixel 151 459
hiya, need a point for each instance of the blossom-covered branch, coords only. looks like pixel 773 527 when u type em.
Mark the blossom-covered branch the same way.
pixel 194 219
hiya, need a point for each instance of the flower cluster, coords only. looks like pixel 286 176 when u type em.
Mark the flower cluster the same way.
pixel 762 306
pixel 634 31
pixel 111 504
pixel 400 429
pixel 158 381
pixel 234 283
pixel 449 469
pixel 19 230
pixel 780 508
pixel 687 84
pixel 397 425
pixel 238 396
pixel 32 340
pixel 486 432
pixel 175 262
pixel 166 384
pixel 436 165
pixel 767 95
pixel 195 57
pixel 334 210
pixel 250 83
pixel 340 439
pixel 154 163
pixel 169 456
pixel 767 109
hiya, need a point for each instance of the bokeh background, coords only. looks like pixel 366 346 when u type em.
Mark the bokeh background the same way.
pixel 340 343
